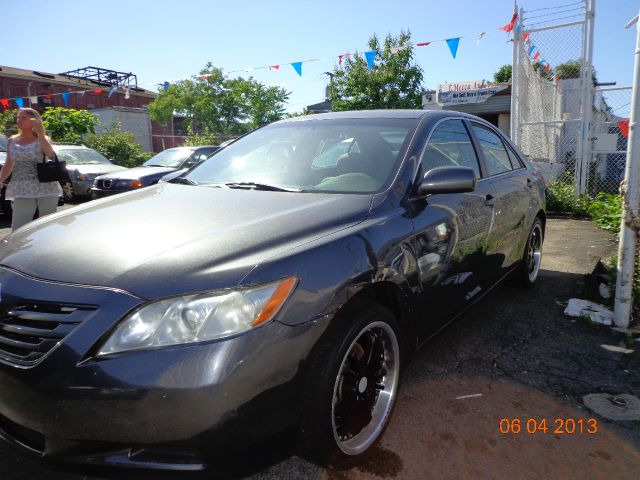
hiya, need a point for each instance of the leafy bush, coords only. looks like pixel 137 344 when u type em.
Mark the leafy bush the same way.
pixel 206 138
pixel 561 198
pixel 118 145
pixel 8 122
pixel 605 210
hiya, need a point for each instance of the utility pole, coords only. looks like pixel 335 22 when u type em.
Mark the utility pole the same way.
pixel 629 224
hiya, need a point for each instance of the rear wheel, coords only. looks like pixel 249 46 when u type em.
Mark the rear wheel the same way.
pixel 532 257
pixel 352 388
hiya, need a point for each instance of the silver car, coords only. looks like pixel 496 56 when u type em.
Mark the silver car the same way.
pixel 84 165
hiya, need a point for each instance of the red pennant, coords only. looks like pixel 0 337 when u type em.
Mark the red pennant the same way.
pixel 423 44
pixel 340 57
pixel 524 37
pixel 48 97
pixel 547 67
pixel 509 26
pixel 623 125
pixel 535 57
pixel 97 91
pixel 5 104
pixel 274 67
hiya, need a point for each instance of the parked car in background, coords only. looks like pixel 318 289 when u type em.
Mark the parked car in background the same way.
pixel 84 165
pixel 276 288
pixel 165 162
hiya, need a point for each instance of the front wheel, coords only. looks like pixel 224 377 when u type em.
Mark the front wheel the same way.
pixel 352 388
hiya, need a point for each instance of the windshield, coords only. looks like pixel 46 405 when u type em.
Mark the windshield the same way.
pixel 172 157
pixel 82 156
pixel 331 155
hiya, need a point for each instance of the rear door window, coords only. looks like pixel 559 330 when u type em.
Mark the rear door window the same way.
pixel 496 158
pixel 450 146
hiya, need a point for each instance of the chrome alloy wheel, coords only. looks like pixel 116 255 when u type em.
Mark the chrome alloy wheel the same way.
pixel 365 388
pixel 534 252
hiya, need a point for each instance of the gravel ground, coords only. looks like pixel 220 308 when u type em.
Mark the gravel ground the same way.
pixel 514 356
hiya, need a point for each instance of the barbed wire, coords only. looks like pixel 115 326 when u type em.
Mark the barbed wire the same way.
pixel 554 20
pixel 554 13
pixel 556 7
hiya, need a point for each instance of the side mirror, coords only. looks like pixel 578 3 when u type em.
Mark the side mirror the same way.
pixel 447 180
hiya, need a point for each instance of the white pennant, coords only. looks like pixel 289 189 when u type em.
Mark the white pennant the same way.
pixel 482 34
pixel 33 100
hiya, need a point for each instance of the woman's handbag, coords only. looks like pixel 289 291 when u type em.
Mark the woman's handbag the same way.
pixel 52 171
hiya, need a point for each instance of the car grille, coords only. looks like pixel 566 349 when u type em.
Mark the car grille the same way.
pixel 29 331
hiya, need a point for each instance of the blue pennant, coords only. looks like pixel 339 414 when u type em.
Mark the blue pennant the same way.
pixel 297 66
pixel 370 56
pixel 453 45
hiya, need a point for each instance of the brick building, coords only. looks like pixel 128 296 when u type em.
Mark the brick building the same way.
pixel 40 90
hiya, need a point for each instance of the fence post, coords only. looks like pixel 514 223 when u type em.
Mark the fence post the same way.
pixel 630 203
pixel 587 98
pixel 515 67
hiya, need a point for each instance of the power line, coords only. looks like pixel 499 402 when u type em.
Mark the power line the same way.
pixel 553 20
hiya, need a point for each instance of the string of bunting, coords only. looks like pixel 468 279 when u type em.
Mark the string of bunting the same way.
pixel 370 57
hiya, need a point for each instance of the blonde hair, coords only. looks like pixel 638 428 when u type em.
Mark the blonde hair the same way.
pixel 29 111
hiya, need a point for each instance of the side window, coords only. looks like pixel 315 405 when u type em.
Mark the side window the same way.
pixel 450 145
pixel 495 156
pixel 516 163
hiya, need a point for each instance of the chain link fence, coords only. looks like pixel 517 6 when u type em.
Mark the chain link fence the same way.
pixel 608 139
pixel 548 90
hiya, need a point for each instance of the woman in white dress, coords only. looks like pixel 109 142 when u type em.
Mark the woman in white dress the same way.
pixel 24 151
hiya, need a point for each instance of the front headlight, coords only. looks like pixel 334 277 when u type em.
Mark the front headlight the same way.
pixel 197 318
pixel 84 176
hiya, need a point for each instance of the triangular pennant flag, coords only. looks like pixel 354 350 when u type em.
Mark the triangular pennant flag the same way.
pixel 480 35
pixel 166 86
pixel 274 67
pixel 297 66
pixel 65 97
pixel 82 93
pixel 112 91
pixel 97 91
pixel 126 94
pixel 524 37
pixel 453 45
pixel 340 57
pixel 370 56
pixel 5 103
pixel 33 100
pixel 48 97
pixel 423 44
pixel 547 67
pixel 509 26
pixel 518 27
pixel 533 47
pixel 535 57
pixel 623 125
pixel 19 102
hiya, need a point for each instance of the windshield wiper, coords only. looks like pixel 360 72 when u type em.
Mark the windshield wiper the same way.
pixel 183 180
pixel 261 186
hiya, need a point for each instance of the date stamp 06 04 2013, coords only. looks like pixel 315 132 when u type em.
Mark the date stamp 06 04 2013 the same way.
pixel 556 426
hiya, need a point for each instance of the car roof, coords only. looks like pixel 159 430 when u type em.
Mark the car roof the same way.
pixel 386 113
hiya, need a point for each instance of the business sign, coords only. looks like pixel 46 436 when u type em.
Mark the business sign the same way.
pixel 477 91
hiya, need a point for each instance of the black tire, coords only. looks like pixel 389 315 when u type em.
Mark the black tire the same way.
pixel 68 194
pixel 351 388
pixel 529 268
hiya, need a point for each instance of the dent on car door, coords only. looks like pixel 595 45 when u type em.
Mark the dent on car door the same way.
pixel 451 231
pixel 513 197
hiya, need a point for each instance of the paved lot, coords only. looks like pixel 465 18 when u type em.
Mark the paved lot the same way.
pixel 515 356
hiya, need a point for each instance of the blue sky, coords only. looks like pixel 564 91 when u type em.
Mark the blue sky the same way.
pixel 161 40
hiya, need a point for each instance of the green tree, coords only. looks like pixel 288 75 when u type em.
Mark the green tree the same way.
pixel 395 81
pixel 8 122
pixel 569 69
pixel 118 145
pixel 503 75
pixel 68 124
pixel 219 105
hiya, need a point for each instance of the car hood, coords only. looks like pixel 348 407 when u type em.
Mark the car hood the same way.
pixel 173 239
pixel 95 169
pixel 139 173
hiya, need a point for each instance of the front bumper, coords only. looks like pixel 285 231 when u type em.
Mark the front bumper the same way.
pixel 192 402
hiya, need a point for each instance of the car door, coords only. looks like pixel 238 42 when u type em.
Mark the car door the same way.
pixel 512 199
pixel 452 231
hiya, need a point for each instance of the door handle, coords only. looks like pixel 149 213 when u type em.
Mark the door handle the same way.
pixel 488 200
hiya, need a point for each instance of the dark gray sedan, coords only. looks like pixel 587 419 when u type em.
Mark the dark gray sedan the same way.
pixel 278 287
